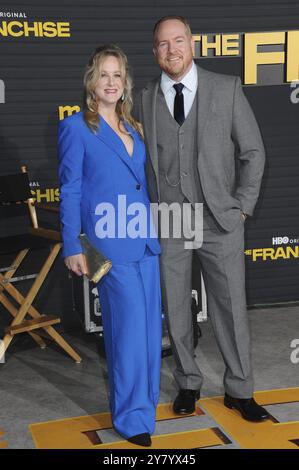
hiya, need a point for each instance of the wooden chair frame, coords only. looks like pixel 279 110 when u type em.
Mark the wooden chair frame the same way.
pixel 42 323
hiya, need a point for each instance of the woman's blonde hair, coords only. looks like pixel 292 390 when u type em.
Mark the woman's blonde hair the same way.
pixel 91 76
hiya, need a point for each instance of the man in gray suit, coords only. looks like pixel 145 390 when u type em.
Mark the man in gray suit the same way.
pixel 204 147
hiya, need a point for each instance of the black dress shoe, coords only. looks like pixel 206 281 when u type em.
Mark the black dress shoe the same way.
pixel 248 408
pixel 184 404
pixel 143 439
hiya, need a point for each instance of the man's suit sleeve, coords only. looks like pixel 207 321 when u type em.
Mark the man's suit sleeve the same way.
pixel 71 153
pixel 251 152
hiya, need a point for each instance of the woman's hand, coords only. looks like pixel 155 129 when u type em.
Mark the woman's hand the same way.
pixel 76 263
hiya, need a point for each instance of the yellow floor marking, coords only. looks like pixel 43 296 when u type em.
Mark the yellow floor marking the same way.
pixel 74 433
pixel 182 440
pixel 3 444
pixel 79 432
pixel 264 435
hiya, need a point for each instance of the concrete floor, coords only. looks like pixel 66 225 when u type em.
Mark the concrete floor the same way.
pixel 42 385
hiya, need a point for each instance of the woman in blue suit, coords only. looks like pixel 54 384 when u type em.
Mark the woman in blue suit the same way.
pixel 102 173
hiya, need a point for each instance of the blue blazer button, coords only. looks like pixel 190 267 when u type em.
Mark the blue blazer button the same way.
pixel 138 186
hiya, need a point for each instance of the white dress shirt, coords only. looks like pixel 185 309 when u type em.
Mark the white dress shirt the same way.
pixel 189 91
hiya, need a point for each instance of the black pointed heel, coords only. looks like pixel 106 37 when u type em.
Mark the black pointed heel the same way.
pixel 143 439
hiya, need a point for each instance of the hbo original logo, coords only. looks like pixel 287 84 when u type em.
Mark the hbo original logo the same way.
pixel 280 240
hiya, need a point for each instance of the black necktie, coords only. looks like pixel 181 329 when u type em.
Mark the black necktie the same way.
pixel 178 110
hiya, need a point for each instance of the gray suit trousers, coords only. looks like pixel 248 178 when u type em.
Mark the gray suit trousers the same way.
pixel 222 259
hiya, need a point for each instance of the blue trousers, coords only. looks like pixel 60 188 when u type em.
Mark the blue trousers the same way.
pixel 130 301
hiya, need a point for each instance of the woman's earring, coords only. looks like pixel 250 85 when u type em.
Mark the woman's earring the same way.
pixel 123 97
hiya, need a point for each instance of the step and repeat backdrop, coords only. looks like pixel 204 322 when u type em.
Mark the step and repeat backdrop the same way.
pixel 44 49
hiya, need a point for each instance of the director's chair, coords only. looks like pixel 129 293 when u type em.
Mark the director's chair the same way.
pixel 15 189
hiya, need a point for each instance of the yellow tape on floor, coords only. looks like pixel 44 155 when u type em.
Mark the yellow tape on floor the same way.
pixel 80 432
pixel 264 435
pixel 183 440
pixel 3 444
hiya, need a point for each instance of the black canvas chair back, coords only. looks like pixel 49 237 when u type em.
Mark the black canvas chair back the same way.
pixel 14 188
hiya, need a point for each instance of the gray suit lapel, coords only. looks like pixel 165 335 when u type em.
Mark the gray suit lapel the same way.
pixel 149 100
pixel 205 101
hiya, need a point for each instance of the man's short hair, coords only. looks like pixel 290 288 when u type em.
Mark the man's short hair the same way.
pixel 171 17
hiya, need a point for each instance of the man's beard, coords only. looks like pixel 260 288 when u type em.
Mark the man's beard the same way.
pixel 175 71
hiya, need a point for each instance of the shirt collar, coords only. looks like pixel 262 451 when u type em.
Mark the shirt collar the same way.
pixel 189 80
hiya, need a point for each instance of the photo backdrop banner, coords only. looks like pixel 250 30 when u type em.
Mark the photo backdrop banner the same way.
pixel 44 49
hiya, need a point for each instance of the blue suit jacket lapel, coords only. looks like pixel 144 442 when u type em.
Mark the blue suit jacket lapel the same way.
pixel 108 136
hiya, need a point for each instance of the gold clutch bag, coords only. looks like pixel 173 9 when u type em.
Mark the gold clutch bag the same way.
pixel 97 264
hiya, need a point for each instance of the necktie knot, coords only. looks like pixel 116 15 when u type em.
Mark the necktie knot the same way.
pixel 178 88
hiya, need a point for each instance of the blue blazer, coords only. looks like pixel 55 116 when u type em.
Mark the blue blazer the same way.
pixel 95 169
